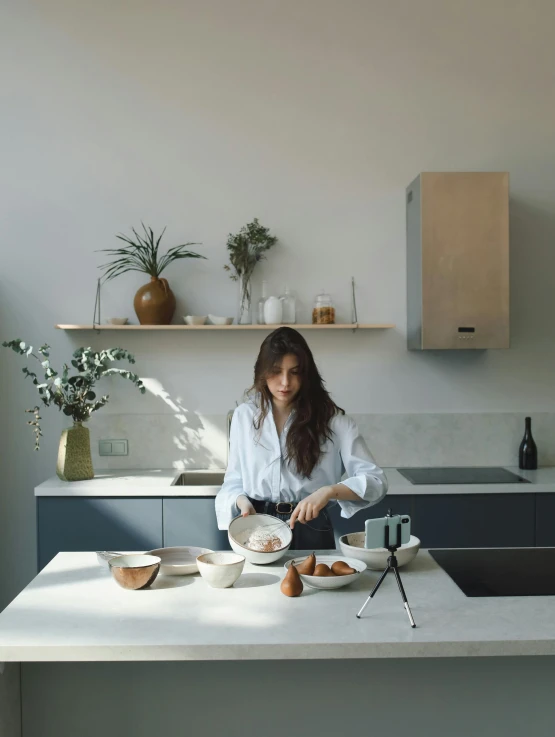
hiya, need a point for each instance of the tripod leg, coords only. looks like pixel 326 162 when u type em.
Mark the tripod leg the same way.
pixel 402 590
pixel 376 587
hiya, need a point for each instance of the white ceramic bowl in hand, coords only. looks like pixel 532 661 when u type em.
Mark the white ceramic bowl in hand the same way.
pixel 330 582
pixel 220 570
pixel 241 528
pixel 195 319
pixel 218 320
pixel 376 558
pixel 179 561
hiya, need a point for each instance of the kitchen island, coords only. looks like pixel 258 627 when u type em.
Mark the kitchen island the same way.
pixel 182 658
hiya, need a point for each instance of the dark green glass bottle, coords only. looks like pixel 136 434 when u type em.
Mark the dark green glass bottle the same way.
pixel 528 451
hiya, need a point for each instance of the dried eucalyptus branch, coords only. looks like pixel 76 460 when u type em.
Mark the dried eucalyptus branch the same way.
pixel 73 395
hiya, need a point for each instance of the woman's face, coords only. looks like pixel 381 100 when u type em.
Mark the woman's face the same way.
pixel 284 381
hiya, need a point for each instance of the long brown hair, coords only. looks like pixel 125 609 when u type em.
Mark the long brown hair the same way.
pixel 314 407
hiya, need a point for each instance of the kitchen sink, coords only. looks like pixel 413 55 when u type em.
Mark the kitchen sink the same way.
pixel 200 478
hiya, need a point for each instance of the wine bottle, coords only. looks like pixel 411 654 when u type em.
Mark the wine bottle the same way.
pixel 528 452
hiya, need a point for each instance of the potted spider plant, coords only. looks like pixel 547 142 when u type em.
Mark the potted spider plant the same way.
pixel 154 302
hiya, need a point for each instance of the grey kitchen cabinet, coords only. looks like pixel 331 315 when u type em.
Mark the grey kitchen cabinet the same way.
pixel 93 523
pixel 192 521
pixel 474 520
pixel 439 520
pixel 545 520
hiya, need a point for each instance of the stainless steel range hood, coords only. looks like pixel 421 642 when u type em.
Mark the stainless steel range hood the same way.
pixel 458 261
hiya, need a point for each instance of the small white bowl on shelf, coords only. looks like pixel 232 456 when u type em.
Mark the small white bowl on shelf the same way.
pixel 117 321
pixel 218 320
pixel 220 570
pixel 376 558
pixel 240 529
pixel 330 582
pixel 195 319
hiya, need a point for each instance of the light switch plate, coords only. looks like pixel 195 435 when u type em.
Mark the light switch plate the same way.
pixel 113 447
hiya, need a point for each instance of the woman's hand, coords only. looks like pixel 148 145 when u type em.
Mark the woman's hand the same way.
pixel 244 505
pixel 311 506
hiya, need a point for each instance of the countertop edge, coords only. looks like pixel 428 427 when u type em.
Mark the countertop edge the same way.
pixel 314 651
pixel 121 484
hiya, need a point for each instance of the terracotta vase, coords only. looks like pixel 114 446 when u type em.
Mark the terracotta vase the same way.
pixel 74 454
pixel 154 302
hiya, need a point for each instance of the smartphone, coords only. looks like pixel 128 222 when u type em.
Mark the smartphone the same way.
pixel 375 530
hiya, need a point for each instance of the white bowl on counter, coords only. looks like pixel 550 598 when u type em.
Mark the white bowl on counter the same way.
pixel 240 529
pixel 218 320
pixel 330 582
pixel 220 570
pixel 195 319
pixel 179 561
pixel 352 545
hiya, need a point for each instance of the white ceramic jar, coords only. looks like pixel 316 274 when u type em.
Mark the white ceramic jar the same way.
pixel 272 311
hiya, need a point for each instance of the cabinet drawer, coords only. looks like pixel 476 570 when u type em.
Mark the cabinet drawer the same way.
pixel 193 522
pixel 475 520
pixel 97 524
pixel 545 520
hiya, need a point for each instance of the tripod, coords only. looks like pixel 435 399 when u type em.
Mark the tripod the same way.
pixel 391 566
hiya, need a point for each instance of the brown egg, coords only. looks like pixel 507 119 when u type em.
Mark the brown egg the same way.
pixel 292 584
pixel 308 565
pixel 323 570
pixel 340 568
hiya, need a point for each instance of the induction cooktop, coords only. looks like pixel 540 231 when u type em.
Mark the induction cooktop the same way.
pixel 500 571
pixel 463 475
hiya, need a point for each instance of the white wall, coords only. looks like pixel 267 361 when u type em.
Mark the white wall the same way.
pixel 312 115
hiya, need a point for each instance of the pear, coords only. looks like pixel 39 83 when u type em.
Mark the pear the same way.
pixel 340 568
pixel 308 565
pixel 292 584
pixel 323 570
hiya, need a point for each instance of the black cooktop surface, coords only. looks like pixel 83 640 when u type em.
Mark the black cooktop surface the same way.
pixel 500 571
pixel 463 475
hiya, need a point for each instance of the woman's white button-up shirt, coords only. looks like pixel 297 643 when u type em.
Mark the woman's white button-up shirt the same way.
pixel 258 467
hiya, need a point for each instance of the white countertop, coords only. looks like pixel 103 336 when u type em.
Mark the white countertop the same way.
pixel 160 482
pixel 128 483
pixel 74 611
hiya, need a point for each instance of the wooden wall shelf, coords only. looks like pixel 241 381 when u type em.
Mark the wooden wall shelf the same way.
pixel 309 326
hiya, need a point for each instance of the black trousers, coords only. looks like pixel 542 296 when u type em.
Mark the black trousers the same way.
pixel 314 535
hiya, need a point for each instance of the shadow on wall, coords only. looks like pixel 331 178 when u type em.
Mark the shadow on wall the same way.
pixel 200 443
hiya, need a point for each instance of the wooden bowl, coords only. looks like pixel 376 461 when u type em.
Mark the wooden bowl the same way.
pixel 135 571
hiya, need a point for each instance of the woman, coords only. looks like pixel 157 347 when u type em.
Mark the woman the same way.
pixel 288 446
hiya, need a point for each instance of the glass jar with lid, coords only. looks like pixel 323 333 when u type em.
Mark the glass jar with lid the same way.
pixel 323 312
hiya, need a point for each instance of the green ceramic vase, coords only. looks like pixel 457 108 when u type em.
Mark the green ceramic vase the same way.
pixel 74 454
